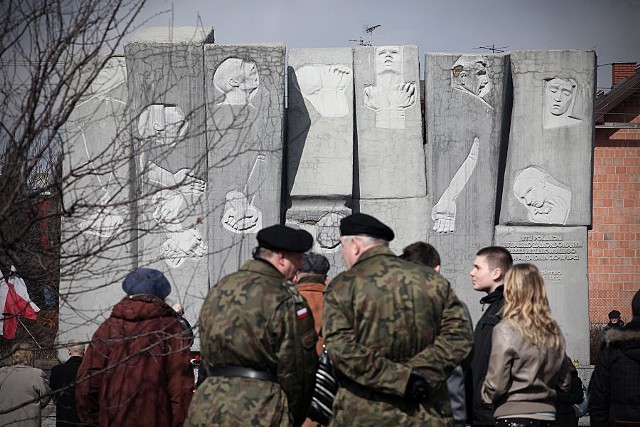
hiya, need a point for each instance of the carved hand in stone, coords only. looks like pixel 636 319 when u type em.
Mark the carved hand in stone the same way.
pixel 168 204
pixel 185 244
pixel 189 183
pixel 403 96
pixel 335 77
pixel 443 215
pixel 372 97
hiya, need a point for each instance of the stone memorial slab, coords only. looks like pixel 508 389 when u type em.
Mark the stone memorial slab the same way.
pixel 407 218
pixel 320 123
pixel 549 163
pixel 96 252
pixel 560 253
pixel 320 145
pixel 167 87
pixel 390 152
pixel 245 114
pixel 323 222
pixel 467 132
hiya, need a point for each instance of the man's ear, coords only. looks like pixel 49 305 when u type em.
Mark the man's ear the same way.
pixel 496 274
pixel 437 268
pixel 326 279
pixel 233 82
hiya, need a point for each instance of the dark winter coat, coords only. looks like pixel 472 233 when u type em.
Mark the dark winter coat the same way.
pixel 62 383
pixel 482 413
pixel 565 415
pixel 383 318
pixel 136 369
pixel 615 384
pixel 256 319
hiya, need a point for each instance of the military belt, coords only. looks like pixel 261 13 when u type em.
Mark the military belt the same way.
pixel 239 371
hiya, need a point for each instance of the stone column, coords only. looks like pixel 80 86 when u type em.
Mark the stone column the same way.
pixel 548 172
pixel 96 251
pixel 245 114
pixel 320 145
pixel 390 175
pixel 167 93
pixel 465 109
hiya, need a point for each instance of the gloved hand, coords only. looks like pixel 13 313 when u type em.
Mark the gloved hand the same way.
pixel 417 388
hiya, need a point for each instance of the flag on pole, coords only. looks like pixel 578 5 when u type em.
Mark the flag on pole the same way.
pixel 15 302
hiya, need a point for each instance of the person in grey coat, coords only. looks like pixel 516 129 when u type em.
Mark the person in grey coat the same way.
pixel 24 390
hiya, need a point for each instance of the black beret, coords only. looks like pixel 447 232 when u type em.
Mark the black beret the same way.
pixel 614 314
pixel 282 238
pixel 314 263
pixel 360 224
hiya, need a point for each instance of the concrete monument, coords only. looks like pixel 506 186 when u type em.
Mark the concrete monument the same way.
pixel 167 106
pixel 551 131
pixel 390 180
pixel 465 108
pixel 320 145
pixel 561 255
pixel 245 100
pixel 96 249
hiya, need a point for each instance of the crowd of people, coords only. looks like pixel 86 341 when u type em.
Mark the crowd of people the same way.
pixel 400 343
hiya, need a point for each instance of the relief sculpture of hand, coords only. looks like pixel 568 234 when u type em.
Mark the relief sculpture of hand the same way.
pixel 189 183
pixel 335 77
pixel 403 96
pixel 372 97
pixel 443 215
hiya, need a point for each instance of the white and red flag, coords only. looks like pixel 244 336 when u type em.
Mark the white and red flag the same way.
pixel 15 302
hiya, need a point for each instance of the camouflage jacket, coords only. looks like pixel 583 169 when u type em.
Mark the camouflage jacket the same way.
pixel 256 319
pixel 383 318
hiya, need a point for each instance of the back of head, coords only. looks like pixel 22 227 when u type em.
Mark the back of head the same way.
pixel 497 257
pixel 314 263
pixel 146 281
pixel 422 253
pixel 76 349
pixel 526 306
pixel 22 354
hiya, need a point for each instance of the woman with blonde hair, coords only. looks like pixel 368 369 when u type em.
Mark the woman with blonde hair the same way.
pixel 527 354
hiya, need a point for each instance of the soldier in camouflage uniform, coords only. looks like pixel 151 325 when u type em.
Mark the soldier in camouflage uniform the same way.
pixel 258 340
pixel 394 331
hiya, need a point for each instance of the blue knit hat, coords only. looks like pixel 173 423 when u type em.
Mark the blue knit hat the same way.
pixel 146 281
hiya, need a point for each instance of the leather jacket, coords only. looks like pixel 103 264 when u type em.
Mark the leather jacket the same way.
pixel 522 378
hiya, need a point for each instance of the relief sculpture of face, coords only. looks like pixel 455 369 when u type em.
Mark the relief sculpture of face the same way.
pixel 559 94
pixel 388 59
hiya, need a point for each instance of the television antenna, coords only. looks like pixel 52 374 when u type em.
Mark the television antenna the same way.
pixel 365 39
pixel 493 48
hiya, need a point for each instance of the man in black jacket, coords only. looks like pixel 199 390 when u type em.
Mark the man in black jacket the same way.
pixel 489 268
pixel 63 386
pixel 615 384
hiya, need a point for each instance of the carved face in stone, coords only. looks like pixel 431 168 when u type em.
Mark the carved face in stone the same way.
pixel 471 74
pixel 559 95
pixel 235 74
pixel 529 187
pixel 389 59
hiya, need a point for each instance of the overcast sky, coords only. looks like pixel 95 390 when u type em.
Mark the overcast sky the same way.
pixel 610 27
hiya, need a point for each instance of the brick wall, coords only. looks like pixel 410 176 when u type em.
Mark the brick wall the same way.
pixel 621 71
pixel 614 241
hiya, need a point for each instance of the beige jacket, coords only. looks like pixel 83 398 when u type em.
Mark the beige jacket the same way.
pixel 522 378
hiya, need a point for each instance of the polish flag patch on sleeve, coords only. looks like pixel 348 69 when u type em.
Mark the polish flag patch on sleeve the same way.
pixel 302 313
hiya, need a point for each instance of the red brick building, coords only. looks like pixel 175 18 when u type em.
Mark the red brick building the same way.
pixel 614 241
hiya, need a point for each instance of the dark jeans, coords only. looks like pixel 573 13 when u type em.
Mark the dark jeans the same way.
pixel 524 422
